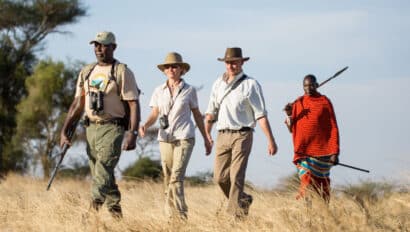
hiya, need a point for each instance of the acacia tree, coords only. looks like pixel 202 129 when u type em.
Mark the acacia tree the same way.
pixel 23 26
pixel 40 115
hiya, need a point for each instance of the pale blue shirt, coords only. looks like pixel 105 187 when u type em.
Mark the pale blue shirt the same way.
pixel 181 125
pixel 241 107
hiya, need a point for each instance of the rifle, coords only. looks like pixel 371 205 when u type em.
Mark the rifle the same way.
pixel 70 134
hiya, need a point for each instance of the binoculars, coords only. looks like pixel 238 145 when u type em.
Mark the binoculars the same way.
pixel 96 101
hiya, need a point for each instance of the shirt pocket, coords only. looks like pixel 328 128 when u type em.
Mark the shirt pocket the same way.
pixel 239 99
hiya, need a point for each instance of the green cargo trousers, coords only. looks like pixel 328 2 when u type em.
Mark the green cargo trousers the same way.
pixel 104 150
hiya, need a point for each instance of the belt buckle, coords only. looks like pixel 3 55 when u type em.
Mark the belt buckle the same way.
pixel 99 121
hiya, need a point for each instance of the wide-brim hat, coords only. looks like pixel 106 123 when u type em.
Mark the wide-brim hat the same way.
pixel 232 54
pixel 174 58
pixel 104 37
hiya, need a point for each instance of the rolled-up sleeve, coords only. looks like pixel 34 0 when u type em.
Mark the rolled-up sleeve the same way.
pixel 154 98
pixel 193 103
pixel 212 105
pixel 257 101
pixel 79 86
pixel 129 86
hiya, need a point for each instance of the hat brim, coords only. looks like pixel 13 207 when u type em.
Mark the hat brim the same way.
pixel 100 42
pixel 185 66
pixel 233 59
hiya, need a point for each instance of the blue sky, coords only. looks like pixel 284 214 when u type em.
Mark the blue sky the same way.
pixel 285 40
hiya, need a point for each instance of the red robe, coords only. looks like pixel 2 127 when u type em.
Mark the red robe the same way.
pixel 314 129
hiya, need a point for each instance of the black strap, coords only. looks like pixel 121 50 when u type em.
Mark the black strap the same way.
pixel 110 79
pixel 114 78
pixel 87 76
pixel 172 103
pixel 89 72
pixel 234 86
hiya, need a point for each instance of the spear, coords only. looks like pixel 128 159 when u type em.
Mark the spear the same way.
pixel 334 76
pixel 352 167
pixel 324 82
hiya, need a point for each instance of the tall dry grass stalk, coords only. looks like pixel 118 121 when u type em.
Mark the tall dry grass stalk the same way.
pixel 26 206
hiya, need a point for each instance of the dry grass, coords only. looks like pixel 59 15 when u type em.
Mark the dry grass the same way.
pixel 26 206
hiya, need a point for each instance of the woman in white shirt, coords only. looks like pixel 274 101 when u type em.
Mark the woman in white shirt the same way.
pixel 173 102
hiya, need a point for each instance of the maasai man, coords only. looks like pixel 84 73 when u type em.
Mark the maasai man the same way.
pixel 312 122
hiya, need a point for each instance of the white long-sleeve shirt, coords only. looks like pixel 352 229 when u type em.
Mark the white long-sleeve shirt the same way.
pixel 241 107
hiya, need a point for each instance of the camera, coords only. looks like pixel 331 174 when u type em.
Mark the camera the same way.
pixel 96 101
pixel 216 112
pixel 163 122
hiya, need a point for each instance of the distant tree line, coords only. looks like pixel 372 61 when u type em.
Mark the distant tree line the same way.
pixel 34 94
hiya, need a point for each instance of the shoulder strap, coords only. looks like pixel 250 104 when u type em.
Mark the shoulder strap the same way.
pixel 173 101
pixel 87 70
pixel 234 86
pixel 116 70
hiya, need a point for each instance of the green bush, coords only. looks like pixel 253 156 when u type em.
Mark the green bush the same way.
pixel 368 190
pixel 77 169
pixel 200 178
pixel 76 173
pixel 144 168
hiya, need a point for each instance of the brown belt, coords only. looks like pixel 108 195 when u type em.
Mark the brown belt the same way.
pixel 116 121
pixel 235 131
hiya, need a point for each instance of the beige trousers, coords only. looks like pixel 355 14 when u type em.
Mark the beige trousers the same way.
pixel 231 159
pixel 174 158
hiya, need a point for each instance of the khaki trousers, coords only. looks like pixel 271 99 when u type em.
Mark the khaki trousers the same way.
pixel 174 158
pixel 104 150
pixel 231 159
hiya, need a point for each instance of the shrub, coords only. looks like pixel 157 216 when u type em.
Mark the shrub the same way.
pixel 143 168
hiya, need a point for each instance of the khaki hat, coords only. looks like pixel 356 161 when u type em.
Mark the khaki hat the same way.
pixel 174 58
pixel 232 54
pixel 104 38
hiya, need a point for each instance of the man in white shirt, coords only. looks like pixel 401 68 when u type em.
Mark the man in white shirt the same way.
pixel 235 104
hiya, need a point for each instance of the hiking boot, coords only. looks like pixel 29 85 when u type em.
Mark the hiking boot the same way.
pixel 96 204
pixel 245 203
pixel 116 212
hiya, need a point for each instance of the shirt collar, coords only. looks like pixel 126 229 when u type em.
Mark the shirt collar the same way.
pixel 235 79
pixel 180 85
pixel 239 75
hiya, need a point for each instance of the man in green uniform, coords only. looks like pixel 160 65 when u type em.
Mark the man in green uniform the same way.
pixel 108 94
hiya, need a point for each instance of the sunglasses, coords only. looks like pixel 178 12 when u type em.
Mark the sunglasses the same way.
pixel 173 66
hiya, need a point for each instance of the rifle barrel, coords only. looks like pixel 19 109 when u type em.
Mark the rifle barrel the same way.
pixel 53 175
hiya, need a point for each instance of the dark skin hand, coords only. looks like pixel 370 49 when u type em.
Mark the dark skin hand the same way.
pixel 129 142
pixel 288 109
pixel 74 114
pixel 334 159
pixel 105 56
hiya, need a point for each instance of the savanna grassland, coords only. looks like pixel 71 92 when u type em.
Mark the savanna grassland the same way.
pixel 26 206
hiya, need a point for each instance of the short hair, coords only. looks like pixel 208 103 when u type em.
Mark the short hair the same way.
pixel 311 77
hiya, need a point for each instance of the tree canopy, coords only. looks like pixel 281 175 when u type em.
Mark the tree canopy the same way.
pixel 40 115
pixel 23 26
